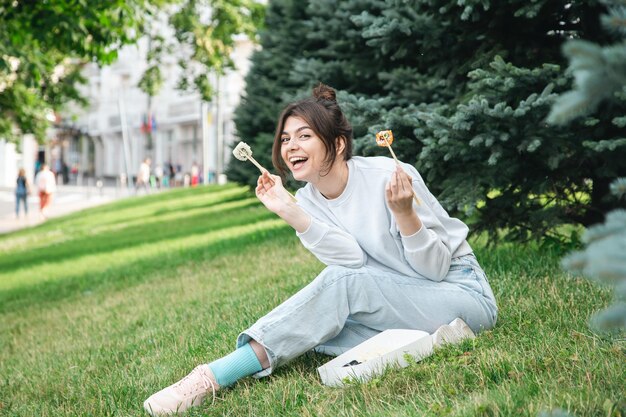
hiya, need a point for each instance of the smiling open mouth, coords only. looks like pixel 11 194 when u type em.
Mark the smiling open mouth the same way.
pixel 297 161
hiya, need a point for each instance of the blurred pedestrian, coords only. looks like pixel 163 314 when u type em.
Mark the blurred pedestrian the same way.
pixel 195 174
pixel 37 166
pixel 178 177
pixel 143 177
pixel 21 193
pixel 46 183
pixel 65 171
pixel 171 173
pixel 165 182
pixel 74 173
pixel 158 175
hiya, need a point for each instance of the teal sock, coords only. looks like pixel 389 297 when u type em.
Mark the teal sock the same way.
pixel 229 369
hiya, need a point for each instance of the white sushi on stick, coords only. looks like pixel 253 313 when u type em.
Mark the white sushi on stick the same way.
pixel 243 152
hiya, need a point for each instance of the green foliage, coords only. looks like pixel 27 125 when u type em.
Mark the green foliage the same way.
pixel 211 39
pixel 466 86
pixel 42 47
pixel 487 152
pixel 152 79
pixel 603 260
pixel 600 72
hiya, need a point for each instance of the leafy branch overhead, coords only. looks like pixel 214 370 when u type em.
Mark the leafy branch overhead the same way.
pixel 43 46
pixel 205 36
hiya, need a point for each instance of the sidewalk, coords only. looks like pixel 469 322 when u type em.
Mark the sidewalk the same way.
pixel 68 199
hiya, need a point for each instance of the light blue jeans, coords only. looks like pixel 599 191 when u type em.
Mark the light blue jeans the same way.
pixel 21 197
pixel 343 307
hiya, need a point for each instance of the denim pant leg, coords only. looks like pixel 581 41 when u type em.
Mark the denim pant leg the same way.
pixel 464 271
pixel 22 198
pixel 377 299
pixel 352 334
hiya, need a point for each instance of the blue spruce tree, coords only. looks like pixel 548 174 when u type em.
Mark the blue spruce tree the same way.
pixel 466 86
pixel 600 75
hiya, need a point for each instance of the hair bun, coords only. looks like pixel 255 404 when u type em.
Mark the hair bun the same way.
pixel 324 92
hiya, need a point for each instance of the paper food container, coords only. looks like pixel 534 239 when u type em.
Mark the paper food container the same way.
pixel 372 357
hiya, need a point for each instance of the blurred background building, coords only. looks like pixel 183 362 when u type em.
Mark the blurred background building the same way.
pixel 122 126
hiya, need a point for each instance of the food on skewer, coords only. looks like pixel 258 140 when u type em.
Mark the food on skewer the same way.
pixel 384 138
pixel 243 152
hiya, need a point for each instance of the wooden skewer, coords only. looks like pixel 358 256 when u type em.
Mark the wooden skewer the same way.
pixel 391 150
pixel 417 201
pixel 271 179
pixel 258 165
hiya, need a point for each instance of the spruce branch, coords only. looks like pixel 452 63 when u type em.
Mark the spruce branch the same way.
pixel 618 187
pixel 599 72
pixel 615 20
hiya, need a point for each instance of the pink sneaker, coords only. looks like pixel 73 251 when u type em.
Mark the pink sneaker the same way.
pixel 188 392
pixel 454 332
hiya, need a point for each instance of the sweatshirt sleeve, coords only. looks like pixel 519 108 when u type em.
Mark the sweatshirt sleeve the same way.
pixel 427 253
pixel 331 245
pixel 428 250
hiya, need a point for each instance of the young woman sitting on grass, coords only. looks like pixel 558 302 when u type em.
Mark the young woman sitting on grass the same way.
pixel 390 263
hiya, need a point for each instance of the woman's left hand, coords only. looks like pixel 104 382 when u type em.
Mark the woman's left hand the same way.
pixel 399 193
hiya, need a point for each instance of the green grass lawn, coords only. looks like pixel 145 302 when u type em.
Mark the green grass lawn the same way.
pixel 104 307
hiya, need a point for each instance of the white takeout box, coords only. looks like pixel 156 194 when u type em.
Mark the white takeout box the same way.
pixel 386 349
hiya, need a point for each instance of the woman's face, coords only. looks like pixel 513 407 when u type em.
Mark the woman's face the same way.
pixel 302 150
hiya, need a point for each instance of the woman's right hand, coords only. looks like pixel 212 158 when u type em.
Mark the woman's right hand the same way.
pixel 271 192
pixel 277 199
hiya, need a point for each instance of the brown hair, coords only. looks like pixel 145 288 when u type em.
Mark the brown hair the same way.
pixel 324 116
